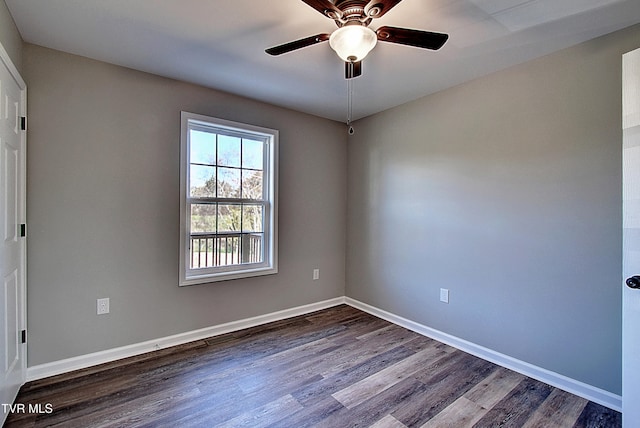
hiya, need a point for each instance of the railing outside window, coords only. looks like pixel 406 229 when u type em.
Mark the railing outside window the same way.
pixel 223 249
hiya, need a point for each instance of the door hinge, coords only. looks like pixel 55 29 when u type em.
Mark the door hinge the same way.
pixel 24 336
pixel 23 230
pixel 23 123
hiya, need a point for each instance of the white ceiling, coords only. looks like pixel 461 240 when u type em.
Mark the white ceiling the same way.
pixel 220 44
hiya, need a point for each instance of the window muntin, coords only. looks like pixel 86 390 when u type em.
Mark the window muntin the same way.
pixel 229 205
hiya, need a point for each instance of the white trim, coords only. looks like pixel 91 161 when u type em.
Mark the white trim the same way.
pixel 557 380
pixel 84 361
pixel 6 59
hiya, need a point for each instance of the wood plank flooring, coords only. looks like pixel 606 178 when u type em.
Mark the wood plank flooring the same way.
pixel 335 368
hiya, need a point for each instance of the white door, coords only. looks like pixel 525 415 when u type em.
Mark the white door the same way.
pixel 631 239
pixel 12 245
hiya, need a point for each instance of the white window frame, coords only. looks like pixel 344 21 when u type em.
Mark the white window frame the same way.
pixel 269 265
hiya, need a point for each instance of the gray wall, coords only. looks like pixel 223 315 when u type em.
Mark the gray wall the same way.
pixel 507 191
pixel 10 37
pixel 103 208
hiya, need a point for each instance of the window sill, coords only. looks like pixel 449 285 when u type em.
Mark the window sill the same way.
pixel 226 276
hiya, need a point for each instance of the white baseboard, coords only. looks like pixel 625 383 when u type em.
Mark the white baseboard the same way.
pixel 573 386
pixel 557 380
pixel 84 361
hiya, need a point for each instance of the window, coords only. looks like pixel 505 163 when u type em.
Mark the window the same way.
pixel 228 177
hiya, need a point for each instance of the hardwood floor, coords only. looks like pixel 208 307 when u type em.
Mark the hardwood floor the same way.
pixel 338 367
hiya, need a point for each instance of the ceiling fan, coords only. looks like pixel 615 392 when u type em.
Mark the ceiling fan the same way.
pixel 353 39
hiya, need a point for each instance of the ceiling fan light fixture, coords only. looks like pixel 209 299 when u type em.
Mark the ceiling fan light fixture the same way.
pixel 353 42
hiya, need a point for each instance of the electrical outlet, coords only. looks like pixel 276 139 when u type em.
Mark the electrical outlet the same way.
pixel 316 274
pixel 103 306
pixel 444 295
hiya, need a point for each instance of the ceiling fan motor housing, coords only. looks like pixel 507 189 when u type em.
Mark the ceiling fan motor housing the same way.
pixel 354 10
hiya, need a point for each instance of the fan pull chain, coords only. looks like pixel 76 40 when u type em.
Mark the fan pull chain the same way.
pixel 350 129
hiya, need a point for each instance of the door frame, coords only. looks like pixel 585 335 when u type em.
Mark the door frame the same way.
pixel 6 61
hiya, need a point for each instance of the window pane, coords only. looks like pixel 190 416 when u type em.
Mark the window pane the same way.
pixel 252 218
pixel 203 251
pixel 228 151
pixel 203 218
pixel 229 183
pixel 252 184
pixel 203 147
pixel 228 249
pixel 252 244
pixel 252 153
pixel 202 181
pixel 229 218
